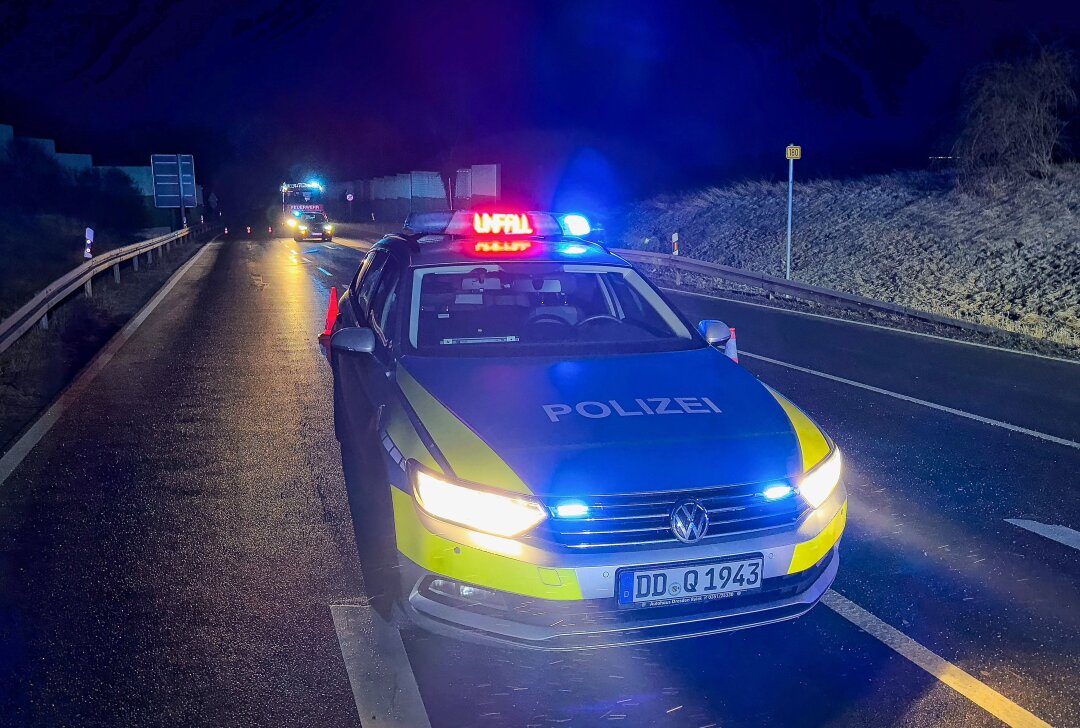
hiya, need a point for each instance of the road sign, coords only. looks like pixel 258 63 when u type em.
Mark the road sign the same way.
pixel 793 152
pixel 88 251
pixel 174 180
pixel 349 197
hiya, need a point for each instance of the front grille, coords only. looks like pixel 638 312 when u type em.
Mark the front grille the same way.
pixel 640 520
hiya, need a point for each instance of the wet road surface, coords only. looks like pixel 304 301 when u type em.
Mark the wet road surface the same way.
pixel 178 549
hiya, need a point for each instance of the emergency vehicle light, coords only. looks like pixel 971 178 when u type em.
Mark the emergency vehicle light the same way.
pixel 576 225
pixel 571 509
pixel 776 492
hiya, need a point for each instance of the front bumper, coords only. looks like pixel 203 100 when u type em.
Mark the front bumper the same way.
pixel 537 598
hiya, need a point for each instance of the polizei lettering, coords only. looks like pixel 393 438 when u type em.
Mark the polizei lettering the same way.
pixel 652 406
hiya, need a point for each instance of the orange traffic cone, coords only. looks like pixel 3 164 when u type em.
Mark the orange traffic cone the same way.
pixel 331 314
pixel 730 349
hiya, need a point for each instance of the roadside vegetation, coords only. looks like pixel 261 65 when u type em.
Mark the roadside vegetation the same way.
pixel 44 210
pixel 995 240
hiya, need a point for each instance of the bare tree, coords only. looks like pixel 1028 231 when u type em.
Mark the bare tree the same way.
pixel 1014 116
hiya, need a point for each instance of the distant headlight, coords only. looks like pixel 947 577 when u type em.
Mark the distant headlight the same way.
pixel 819 483
pixel 482 510
pixel 328 228
pixel 303 228
pixel 291 222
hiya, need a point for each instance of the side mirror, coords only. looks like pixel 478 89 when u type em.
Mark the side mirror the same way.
pixel 715 332
pixel 354 339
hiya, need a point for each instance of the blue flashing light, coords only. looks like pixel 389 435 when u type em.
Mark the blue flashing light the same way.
pixel 571 509
pixel 776 492
pixel 313 183
pixel 576 225
pixel 574 249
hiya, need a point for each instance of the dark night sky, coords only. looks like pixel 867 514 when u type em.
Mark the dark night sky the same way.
pixel 623 97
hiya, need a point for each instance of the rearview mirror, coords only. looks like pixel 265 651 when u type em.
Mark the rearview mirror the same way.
pixel 715 332
pixel 354 339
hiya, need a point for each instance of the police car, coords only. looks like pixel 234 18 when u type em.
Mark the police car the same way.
pixel 562 459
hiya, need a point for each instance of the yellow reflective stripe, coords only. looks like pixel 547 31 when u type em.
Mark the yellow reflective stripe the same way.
pixel 812 443
pixel 404 435
pixel 809 553
pixel 468 455
pixel 473 565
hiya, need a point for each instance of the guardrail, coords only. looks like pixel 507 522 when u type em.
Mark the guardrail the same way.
pixel 794 289
pixel 36 311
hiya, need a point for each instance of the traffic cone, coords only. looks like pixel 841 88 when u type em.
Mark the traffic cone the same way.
pixel 331 314
pixel 730 349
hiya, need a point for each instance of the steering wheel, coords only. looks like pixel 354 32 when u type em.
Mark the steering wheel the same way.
pixel 546 318
pixel 598 317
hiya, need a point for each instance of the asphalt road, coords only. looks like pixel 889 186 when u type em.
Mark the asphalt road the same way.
pixel 178 549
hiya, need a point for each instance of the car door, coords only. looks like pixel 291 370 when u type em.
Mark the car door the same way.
pixel 356 376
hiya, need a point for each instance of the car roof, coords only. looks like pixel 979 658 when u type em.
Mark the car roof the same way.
pixel 428 250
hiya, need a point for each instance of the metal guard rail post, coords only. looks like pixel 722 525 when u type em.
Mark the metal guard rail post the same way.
pixel 37 308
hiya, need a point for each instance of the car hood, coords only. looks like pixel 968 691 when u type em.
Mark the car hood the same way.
pixel 622 424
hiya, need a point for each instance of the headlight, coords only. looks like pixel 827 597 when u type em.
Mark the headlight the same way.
pixel 291 222
pixel 501 515
pixel 304 228
pixel 328 228
pixel 816 485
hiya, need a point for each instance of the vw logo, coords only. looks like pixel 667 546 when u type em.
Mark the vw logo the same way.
pixel 689 521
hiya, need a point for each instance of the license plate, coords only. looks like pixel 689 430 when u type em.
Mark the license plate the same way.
pixel 681 584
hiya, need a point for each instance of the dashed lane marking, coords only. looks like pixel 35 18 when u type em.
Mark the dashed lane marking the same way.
pixel 81 383
pixel 1061 534
pixel 923 402
pixel 325 272
pixel 383 684
pixel 869 325
pixel 977 692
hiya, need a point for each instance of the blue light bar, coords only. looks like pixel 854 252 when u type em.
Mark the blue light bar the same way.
pixel 576 225
pixel 571 509
pixel 776 492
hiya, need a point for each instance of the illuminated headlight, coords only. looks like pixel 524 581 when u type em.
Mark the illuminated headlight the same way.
pixel 291 222
pixel 482 510
pixel 328 228
pixel 816 486
pixel 303 228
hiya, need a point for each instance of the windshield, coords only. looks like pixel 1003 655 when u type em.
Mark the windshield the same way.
pixel 538 308
pixel 313 217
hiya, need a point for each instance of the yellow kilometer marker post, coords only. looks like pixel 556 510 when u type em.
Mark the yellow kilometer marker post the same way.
pixel 792 152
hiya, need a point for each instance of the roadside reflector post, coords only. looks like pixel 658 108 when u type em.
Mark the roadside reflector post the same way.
pixel 792 152
pixel 675 251
pixel 116 274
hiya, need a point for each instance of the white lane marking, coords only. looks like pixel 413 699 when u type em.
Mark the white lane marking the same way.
pixel 923 402
pixel 305 258
pixel 977 692
pixel 383 685
pixel 81 383
pixel 870 325
pixel 1061 534
pixel 325 272
pixel 328 245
